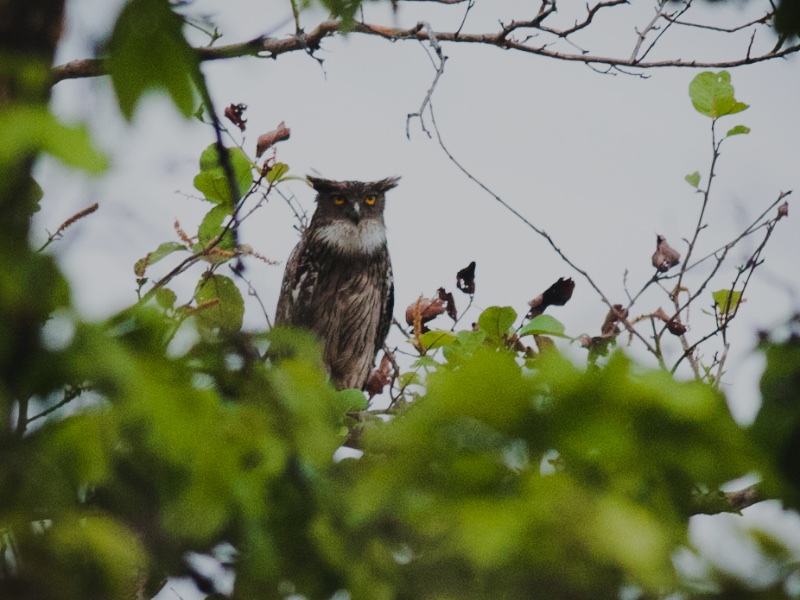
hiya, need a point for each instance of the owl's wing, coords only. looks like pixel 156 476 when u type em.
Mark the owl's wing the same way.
pixel 387 310
pixel 297 288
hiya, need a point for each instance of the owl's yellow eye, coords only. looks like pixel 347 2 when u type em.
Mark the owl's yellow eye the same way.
pixel 369 200
pixel 338 200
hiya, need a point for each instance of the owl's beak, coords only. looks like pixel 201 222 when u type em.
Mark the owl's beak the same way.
pixel 355 213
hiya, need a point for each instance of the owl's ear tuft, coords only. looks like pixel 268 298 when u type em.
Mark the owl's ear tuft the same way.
pixel 384 185
pixel 324 185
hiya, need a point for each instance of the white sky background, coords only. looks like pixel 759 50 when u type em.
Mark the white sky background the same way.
pixel 597 161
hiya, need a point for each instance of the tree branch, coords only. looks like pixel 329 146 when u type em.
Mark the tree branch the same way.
pixel 268 47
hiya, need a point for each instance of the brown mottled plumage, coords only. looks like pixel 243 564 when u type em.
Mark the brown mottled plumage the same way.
pixel 338 280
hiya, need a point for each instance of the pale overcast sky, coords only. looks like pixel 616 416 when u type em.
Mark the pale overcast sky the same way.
pixel 597 161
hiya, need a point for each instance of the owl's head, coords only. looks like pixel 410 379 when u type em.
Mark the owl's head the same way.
pixel 349 214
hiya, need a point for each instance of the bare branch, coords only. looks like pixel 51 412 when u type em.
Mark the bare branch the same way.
pixel 761 21
pixel 665 28
pixel 268 47
pixel 743 498
pixel 589 17
pixel 439 71
pixel 540 232
pixel 642 35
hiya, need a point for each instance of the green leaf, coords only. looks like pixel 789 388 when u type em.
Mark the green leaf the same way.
pixel 727 301
pixel 148 52
pixel 467 343
pixel 436 339
pixel 409 378
pixel 693 179
pixel 211 228
pixel 712 95
pixel 488 386
pixel 30 129
pixel 227 312
pixel 425 362
pixel 544 325
pixel 156 255
pixel 166 298
pixel 212 181
pixel 343 9
pixel 738 130
pixel 277 172
pixel 351 400
pixel 497 320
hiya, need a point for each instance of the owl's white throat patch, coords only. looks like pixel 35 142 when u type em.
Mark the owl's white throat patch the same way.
pixel 348 238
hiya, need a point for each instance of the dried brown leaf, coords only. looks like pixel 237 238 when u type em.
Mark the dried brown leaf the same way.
pixel 269 139
pixel 665 256
pixel 783 210
pixel 615 314
pixel 234 114
pixel 422 311
pixel 449 303
pixel 557 294
pixel 380 377
pixel 465 279
pixel 675 327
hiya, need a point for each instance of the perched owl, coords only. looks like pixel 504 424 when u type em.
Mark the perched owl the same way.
pixel 338 280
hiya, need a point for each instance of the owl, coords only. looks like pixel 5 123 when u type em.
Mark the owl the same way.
pixel 338 280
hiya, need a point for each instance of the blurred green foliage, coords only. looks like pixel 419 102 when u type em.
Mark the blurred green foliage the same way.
pixel 148 51
pixel 511 476
pixel 776 429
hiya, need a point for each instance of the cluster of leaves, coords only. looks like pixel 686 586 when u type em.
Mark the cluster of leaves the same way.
pixel 217 303
pixel 173 454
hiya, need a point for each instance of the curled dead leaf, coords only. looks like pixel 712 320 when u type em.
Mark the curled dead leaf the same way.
pixel 465 279
pixel 783 210
pixel 674 325
pixel 380 377
pixel 615 314
pixel 449 303
pixel 557 294
pixel 422 311
pixel 234 114
pixel 665 256
pixel 269 139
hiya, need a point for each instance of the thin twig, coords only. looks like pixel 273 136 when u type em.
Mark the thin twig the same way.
pixel 760 21
pixel 251 291
pixel 434 44
pixel 664 29
pixel 542 233
pixel 70 394
pixel 641 35
pixel 466 14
